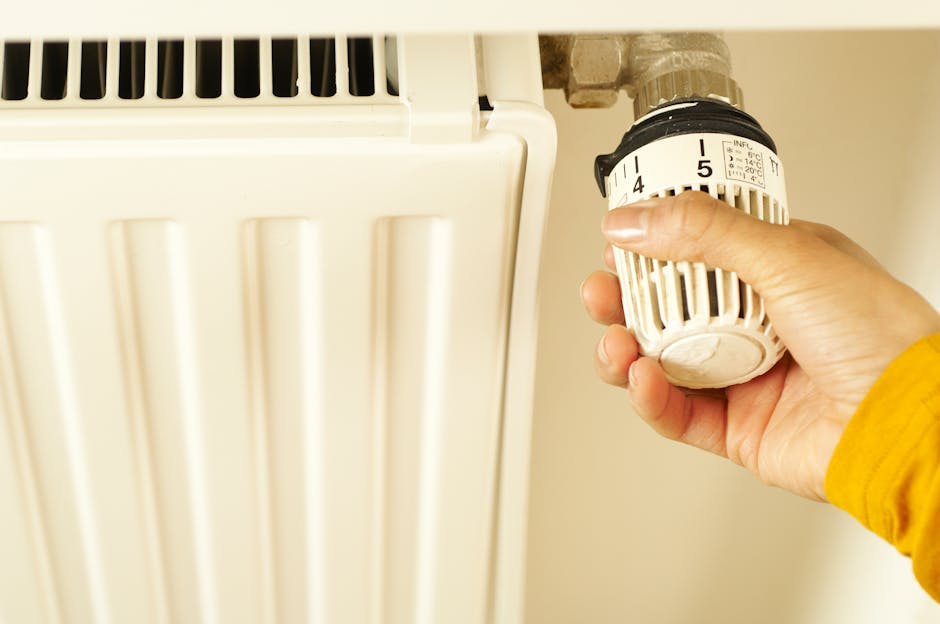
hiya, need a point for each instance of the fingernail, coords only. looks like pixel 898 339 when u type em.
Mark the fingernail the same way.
pixel 602 351
pixel 626 224
pixel 581 289
pixel 631 374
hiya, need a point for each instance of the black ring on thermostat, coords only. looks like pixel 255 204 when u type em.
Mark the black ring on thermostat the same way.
pixel 702 117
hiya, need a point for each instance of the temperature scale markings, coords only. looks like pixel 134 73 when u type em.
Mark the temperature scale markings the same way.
pixel 743 162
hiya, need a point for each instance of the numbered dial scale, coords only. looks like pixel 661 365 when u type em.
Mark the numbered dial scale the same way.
pixel 707 328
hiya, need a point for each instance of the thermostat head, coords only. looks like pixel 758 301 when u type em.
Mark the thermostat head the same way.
pixel 707 327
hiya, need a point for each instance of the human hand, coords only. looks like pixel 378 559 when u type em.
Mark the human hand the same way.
pixel 840 314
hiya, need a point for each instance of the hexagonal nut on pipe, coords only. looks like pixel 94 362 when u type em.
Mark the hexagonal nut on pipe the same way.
pixel 597 70
pixel 592 98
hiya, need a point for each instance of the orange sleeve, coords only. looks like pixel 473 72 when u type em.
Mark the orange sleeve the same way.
pixel 886 468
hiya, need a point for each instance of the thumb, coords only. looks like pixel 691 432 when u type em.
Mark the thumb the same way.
pixel 697 227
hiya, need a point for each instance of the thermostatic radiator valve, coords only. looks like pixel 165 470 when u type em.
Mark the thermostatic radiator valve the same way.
pixel 707 328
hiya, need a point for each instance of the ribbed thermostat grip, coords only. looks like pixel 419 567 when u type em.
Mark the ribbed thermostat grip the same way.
pixel 707 327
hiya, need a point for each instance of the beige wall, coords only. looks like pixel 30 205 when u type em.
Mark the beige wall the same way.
pixel 626 527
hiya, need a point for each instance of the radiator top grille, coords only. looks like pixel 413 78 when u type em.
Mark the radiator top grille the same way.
pixel 198 71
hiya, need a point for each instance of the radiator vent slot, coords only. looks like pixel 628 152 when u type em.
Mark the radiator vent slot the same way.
pixel 361 74
pixel 170 69
pixel 247 66
pixel 323 67
pixel 204 71
pixel 94 70
pixel 209 68
pixel 15 70
pixel 132 55
pixel 284 67
pixel 55 69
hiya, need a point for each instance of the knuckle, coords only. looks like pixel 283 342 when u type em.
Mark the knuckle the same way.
pixel 698 216
pixel 745 454
pixel 827 232
pixel 810 231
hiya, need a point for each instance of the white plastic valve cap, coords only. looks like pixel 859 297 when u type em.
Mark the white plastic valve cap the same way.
pixel 712 359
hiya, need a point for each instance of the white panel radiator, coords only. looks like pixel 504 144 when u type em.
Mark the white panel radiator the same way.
pixel 267 328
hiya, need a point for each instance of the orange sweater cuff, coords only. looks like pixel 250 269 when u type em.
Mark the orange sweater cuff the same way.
pixel 886 468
